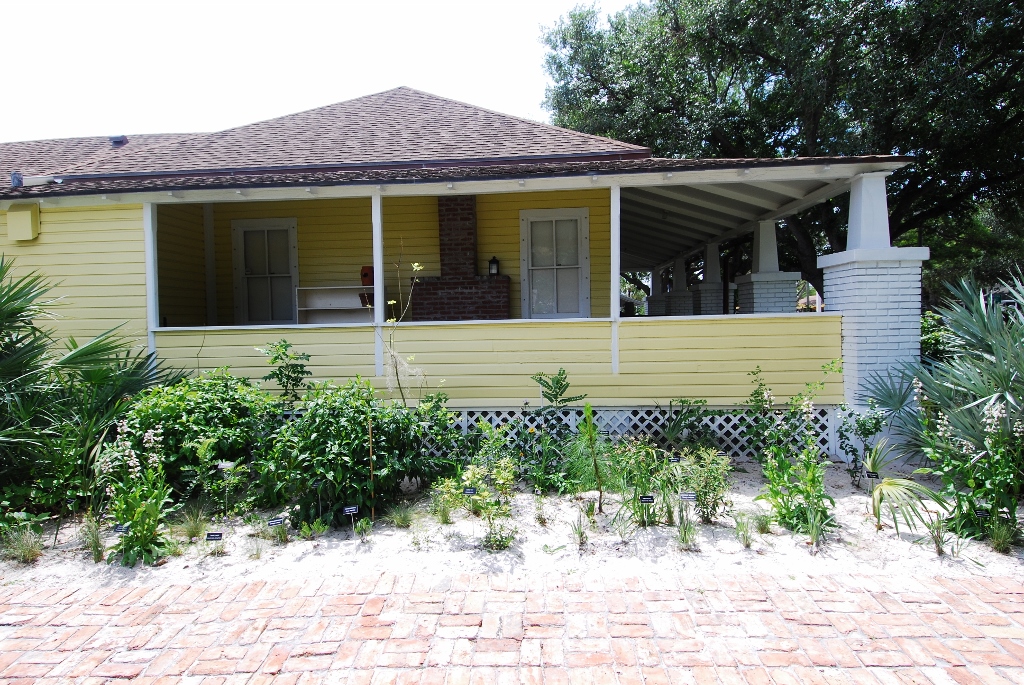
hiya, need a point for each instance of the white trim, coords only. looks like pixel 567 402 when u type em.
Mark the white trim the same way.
pixel 238 227
pixel 639 320
pixel 210 252
pixel 816 172
pixel 379 305
pixel 885 254
pixel 149 228
pixel 616 272
pixel 582 215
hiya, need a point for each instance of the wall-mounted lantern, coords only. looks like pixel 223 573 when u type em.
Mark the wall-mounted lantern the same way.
pixel 492 266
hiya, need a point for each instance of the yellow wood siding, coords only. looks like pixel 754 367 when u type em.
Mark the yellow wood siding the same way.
pixel 181 267
pixel 410 236
pixel 335 241
pixel 498 236
pixel 95 259
pixel 490 364
pixel 337 353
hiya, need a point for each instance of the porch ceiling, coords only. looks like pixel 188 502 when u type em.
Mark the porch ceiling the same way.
pixel 662 223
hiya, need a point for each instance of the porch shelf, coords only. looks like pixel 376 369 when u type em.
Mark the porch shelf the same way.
pixel 488 364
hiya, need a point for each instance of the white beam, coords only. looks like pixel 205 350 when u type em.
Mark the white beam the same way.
pixel 379 303
pixel 616 267
pixel 152 293
pixel 210 253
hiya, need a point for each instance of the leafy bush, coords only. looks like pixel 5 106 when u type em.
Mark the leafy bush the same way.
pixel 965 412
pixel 641 471
pixel 685 424
pixel 289 372
pixel 138 496
pixel 588 454
pixel 705 472
pixel 208 420
pixel 323 461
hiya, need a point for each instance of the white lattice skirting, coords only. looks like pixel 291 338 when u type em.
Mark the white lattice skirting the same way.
pixel 728 426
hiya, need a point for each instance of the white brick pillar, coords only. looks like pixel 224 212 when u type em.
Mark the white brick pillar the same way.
pixel 707 295
pixel 876 288
pixel 767 290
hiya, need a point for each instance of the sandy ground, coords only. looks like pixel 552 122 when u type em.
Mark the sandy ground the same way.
pixel 853 547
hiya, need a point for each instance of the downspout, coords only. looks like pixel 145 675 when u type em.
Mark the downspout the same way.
pixel 152 293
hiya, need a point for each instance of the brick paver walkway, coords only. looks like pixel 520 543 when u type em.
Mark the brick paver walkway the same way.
pixel 500 629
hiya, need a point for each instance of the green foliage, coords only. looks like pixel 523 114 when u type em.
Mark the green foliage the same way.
pixel 363 528
pixel 762 418
pixel 685 424
pixel 22 544
pixel 579 532
pixel 744 529
pixel 214 418
pixel 1002 534
pixel 289 372
pixel 705 472
pixel 193 522
pixel 400 515
pixel 542 461
pixel 933 344
pixel 903 497
pixel 311 531
pixel 445 497
pixel 91 536
pixel 862 426
pixel 588 454
pixel 686 534
pixel 941 81
pixel 763 522
pixel 56 404
pixel 554 388
pixel 641 470
pixel 795 487
pixel 321 461
pixel 141 503
pixel 965 413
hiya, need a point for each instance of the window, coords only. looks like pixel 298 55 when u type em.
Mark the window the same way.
pixel 555 263
pixel 266 270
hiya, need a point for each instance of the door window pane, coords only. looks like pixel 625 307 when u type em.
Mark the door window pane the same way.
pixel 568 291
pixel 277 252
pixel 567 242
pixel 258 296
pixel 281 298
pixel 255 253
pixel 542 244
pixel 542 291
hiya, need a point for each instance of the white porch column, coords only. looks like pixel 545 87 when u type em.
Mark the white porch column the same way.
pixel 616 267
pixel 379 304
pixel 708 293
pixel 876 287
pixel 765 289
pixel 152 291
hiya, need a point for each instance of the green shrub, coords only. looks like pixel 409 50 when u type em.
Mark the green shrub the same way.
pixel 1002 534
pixel 588 457
pixel 289 372
pixel 22 544
pixel 705 472
pixel 400 515
pixel 205 421
pixel 640 470
pixel 363 528
pixel 92 537
pixel 964 409
pixel 322 461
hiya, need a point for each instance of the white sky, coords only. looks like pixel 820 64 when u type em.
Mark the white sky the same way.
pixel 106 68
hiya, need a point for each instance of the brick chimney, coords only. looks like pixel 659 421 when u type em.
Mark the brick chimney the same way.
pixel 459 294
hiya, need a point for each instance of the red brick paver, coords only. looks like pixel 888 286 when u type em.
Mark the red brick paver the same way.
pixel 544 630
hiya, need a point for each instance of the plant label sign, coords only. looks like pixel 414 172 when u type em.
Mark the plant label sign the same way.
pixel 468 491
pixel 317 483
pixel 212 537
pixel 873 475
pixel 982 514
pixel 122 527
pixel 278 521
pixel 688 496
pixel 646 499
pixel 673 460
pixel 350 510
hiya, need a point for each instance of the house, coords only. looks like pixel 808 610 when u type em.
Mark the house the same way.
pixel 209 245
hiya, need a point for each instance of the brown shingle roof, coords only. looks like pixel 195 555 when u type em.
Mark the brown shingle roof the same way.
pixel 399 175
pixel 43 157
pixel 397 126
